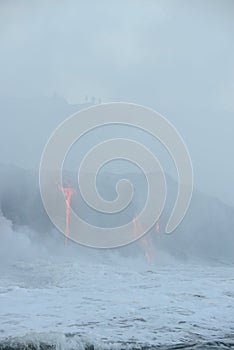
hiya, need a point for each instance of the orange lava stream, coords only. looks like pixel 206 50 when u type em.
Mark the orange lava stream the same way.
pixel 137 228
pixel 157 227
pixel 68 193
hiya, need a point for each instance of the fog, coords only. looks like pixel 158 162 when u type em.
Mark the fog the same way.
pixel 205 235
pixel 147 289
pixel 175 57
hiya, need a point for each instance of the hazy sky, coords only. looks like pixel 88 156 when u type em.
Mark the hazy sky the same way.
pixel 175 56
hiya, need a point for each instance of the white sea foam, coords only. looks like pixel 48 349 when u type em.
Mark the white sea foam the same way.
pixel 109 298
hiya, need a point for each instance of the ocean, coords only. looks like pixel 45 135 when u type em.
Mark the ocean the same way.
pixel 76 298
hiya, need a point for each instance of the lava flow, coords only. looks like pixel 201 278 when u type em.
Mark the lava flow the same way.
pixel 157 227
pixel 145 243
pixel 68 193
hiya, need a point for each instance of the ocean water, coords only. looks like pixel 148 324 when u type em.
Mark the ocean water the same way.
pixel 73 298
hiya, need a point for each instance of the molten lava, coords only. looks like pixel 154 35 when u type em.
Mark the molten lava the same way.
pixel 68 193
pixel 137 228
pixel 157 227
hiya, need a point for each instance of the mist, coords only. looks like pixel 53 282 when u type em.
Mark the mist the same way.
pixel 174 57
pixel 160 291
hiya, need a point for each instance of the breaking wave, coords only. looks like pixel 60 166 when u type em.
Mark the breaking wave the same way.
pixel 58 341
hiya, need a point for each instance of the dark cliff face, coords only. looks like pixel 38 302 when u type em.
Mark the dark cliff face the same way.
pixel 27 125
pixel 206 231
pixel 20 200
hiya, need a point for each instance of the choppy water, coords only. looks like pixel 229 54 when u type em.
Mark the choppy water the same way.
pixel 115 303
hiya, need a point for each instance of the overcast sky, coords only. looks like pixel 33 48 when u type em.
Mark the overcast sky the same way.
pixel 175 56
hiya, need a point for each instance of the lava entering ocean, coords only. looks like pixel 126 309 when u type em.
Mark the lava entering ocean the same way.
pixel 137 228
pixel 68 193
